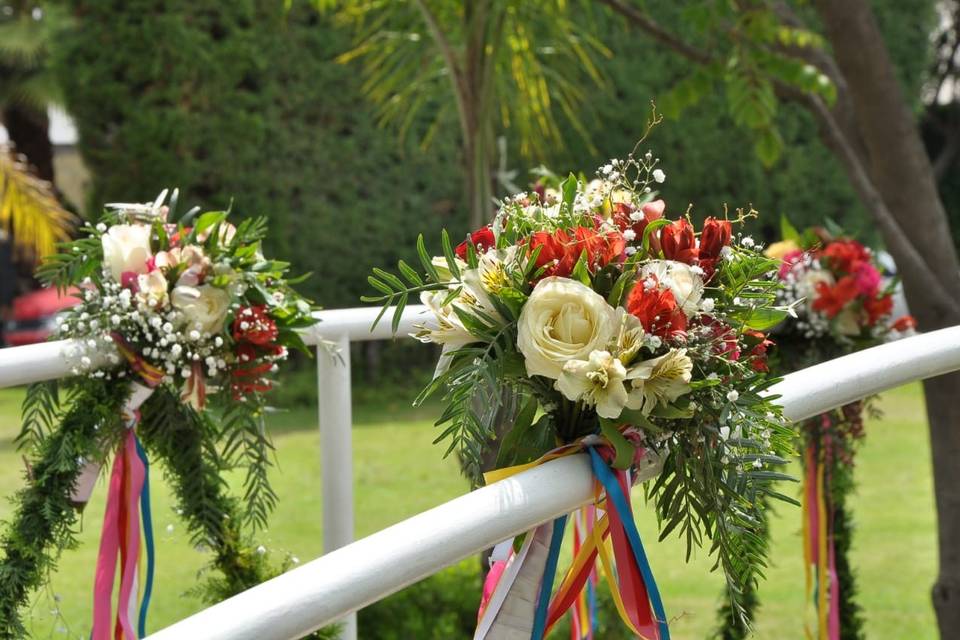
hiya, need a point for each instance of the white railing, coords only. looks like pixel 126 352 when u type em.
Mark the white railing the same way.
pixel 33 363
pixel 335 585
pixel 328 588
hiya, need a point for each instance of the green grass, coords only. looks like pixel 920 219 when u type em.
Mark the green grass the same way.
pixel 399 473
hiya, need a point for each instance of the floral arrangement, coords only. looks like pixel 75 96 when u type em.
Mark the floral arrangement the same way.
pixel 844 303
pixel 601 325
pixel 183 322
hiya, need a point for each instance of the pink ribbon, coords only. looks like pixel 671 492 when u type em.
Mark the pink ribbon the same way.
pixel 120 536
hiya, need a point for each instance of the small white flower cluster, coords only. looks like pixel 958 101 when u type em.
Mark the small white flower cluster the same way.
pixel 160 333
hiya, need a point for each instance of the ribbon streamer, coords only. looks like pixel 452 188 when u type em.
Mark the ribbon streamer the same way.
pixel 819 554
pixel 128 496
pixel 604 530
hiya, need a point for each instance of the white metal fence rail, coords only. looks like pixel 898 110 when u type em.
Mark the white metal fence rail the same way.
pixel 354 576
pixel 33 363
pixel 349 577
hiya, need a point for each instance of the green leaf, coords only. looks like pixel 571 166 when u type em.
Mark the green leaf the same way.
pixel 568 191
pixel 769 146
pixel 760 318
pixel 450 256
pixel 624 451
pixel 520 432
pixel 580 271
pixel 787 230
pixel 412 276
pixel 425 260
pixel 207 220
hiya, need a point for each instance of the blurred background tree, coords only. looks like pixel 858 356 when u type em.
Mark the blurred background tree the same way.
pixel 517 68
pixel 28 86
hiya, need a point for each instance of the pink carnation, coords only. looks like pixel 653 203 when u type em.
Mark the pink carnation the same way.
pixel 868 279
pixel 790 260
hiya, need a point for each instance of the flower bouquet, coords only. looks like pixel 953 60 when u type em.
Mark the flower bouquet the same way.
pixel 844 304
pixel 181 326
pixel 623 334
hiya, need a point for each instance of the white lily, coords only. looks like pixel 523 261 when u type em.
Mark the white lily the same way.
pixel 659 380
pixel 598 381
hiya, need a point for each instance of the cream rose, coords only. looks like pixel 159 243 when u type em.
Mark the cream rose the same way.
pixel 204 307
pixel 680 278
pixel 126 247
pixel 562 320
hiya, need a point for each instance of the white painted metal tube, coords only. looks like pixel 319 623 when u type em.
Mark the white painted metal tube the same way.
pixel 336 453
pixel 46 361
pixel 831 384
pixel 350 578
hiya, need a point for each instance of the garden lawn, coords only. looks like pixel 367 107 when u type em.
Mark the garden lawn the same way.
pixel 399 473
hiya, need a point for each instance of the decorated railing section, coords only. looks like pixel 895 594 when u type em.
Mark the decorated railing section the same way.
pixel 324 590
pixel 331 337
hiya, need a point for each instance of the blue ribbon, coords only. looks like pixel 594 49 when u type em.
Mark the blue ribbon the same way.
pixel 148 540
pixel 549 573
pixel 615 495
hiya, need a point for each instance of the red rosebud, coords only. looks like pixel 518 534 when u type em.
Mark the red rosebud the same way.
pixel 482 239
pixel 254 325
pixel 714 237
pixel 625 216
pixel 678 242
pixel 657 311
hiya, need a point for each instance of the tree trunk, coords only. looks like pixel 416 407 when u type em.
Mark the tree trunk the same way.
pixel 29 131
pixel 900 168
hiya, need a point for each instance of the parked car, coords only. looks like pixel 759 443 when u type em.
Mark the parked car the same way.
pixel 35 315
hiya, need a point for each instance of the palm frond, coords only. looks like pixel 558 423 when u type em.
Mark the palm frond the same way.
pixel 29 211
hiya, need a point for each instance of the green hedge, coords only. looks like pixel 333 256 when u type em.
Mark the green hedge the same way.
pixel 242 100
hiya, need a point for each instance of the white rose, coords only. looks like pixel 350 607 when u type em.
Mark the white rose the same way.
pixel 205 306
pixel 126 247
pixel 562 320
pixel 680 278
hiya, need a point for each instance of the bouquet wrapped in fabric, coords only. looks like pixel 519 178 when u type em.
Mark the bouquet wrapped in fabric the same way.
pixel 622 333
pixel 844 303
pixel 181 326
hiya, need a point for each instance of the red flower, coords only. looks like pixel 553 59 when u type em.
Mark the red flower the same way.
pixel 715 236
pixel 657 311
pixel 724 337
pixel 877 308
pixel 758 351
pixel 556 256
pixel 247 375
pixel 602 249
pixel 679 242
pixel 845 255
pixel 904 323
pixel 482 239
pixel 255 326
pixel 832 300
pixel 560 250
pixel 626 217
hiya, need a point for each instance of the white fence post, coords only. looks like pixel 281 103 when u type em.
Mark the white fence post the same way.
pixel 336 452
